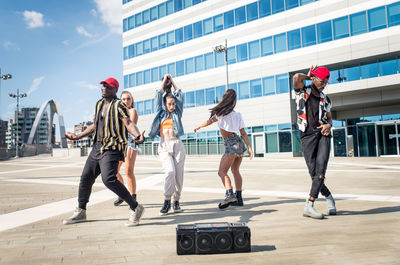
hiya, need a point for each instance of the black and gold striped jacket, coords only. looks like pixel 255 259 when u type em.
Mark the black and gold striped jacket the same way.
pixel 115 134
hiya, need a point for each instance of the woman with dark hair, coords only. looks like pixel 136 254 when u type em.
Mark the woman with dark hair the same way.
pixel 131 151
pixel 230 122
pixel 168 125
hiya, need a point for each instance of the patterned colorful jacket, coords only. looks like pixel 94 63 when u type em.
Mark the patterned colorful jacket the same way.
pixel 302 96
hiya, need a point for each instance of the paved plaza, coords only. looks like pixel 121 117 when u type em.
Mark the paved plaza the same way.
pixel 37 193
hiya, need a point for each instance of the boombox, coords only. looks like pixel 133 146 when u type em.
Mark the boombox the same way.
pixel 208 238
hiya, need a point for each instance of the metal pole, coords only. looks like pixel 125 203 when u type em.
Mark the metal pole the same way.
pixel 17 141
pixel 226 63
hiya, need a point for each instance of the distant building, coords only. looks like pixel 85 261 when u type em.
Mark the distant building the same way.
pixel 3 131
pixel 84 142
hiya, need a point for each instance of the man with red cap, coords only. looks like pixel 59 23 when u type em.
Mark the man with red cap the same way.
pixel 314 120
pixel 110 126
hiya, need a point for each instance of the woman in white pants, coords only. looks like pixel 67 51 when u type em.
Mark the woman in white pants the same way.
pixel 168 125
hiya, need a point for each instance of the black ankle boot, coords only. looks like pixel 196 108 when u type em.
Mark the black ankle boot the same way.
pixel 167 205
pixel 239 198
pixel 230 199
pixel 177 207
pixel 118 201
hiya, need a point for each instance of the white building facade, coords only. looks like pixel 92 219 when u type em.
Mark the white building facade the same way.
pixel 268 41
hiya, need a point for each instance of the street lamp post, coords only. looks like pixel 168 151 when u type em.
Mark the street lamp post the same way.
pixel 3 77
pixel 220 49
pixel 18 95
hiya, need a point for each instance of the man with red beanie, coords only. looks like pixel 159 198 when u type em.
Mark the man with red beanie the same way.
pixel 110 126
pixel 314 120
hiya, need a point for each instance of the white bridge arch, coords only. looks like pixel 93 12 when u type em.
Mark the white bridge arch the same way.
pixel 54 108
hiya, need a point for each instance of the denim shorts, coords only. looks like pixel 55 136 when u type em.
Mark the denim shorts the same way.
pixel 234 145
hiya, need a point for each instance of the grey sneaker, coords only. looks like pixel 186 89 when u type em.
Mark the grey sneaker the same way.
pixel 78 216
pixel 135 216
pixel 330 205
pixel 229 199
pixel 309 211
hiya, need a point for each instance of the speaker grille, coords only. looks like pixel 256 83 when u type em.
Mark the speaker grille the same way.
pixel 204 242
pixel 223 241
pixel 186 242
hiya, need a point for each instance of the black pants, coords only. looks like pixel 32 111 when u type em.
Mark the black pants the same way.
pixel 316 149
pixel 107 165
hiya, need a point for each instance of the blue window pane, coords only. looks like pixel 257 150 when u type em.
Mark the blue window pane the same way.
pixel 229 19
pixel 341 27
pixel 139 48
pixel 131 51
pixel 219 59
pixel 146 46
pixel 210 96
pixel 387 68
pixel 233 86
pixel 162 41
pixel 187 3
pixel 303 2
pixel 255 88
pixel 171 69
pixel 324 31
pixel 200 98
pixel 252 11
pixel 178 5
pixel 268 86
pixel 147 76
pixel 146 16
pixel 277 6
pixel 232 55
pixel 393 11
pixel 254 49
pixel 195 2
pixel 180 68
pixel 189 99
pixel 162 71
pixel 139 107
pixel 132 80
pixel 199 63
pixel 358 23
pixel 284 126
pixel 154 74
pixel 169 7
pixel 291 4
pixel 209 60
pixel 369 70
pixel 188 32
pixel 282 84
pixel 153 13
pixel 265 7
pixel 271 128
pixel 131 22
pixel 352 73
pixel 218 23
pixel 138 20
pixel 266 46
pixel 170 38
pixel 125 24
pixel 308 36
pixel 126 81
pixel 244 90
pixel 208 26
pixel 161 10
pixel 377 18
pixel 126 53
pixel 148 107
pixel 293 39
pixel 240 15
pixel 139 78
pixel 198 29
pixel 241 52
pixel 336 76
pixel 178 35
pixel 219 91
pixel 280 43
pixel 189 66
pixel 154 44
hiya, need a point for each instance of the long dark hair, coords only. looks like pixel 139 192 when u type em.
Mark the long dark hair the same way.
pixel 226 105
pixel 167 85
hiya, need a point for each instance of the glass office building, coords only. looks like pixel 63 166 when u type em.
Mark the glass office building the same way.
pixel 268 41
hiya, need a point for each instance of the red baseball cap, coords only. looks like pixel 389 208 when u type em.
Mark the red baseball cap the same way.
pixel 321 72
pixel 111 82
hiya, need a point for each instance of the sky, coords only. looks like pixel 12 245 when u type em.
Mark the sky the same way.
pixel 59 50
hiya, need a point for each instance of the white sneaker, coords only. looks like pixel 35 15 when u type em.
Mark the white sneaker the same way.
pixel 330 205
pixel 78 216
pixel 309 211
pixel 135 216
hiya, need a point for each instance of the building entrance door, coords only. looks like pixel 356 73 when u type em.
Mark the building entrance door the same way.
pixel 366 139
pixel 388 139
pixel 339 142
pixel 259 147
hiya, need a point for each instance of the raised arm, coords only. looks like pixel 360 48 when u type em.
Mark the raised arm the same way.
pixel 298 78
pixel 205 124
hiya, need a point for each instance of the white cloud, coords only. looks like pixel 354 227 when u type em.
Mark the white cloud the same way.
pixel 34 19
pixel 81 30
pixel 87 85
pixel 10 46
pixel 35 84
pixel 66 43
pixel 111 14
pixel 93 12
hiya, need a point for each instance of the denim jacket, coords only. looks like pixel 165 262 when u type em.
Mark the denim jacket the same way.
pixel 160 114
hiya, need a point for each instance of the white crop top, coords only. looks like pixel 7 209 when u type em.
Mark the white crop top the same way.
pixel 232 122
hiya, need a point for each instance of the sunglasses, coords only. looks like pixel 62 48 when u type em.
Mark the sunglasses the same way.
pixel 323 82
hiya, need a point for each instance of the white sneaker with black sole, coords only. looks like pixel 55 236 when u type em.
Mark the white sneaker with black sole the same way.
pixel 78 216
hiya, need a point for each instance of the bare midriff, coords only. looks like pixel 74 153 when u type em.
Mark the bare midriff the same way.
pixel 224 133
